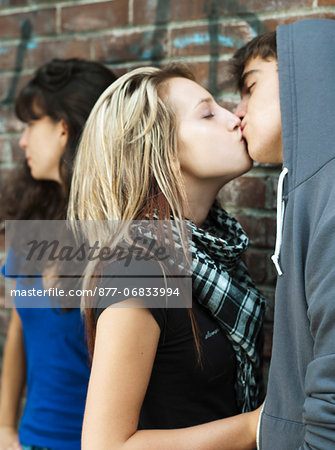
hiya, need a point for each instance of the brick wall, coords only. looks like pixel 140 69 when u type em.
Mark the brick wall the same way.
pixel 129 33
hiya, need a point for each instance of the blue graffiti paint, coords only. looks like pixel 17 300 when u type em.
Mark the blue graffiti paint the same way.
pixel 197 38
pixel 146 54
pixel 203 38
pixel 227 41
pixel 31 45
pixel 26 34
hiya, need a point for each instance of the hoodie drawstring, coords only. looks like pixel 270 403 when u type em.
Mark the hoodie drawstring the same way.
pixel 280 220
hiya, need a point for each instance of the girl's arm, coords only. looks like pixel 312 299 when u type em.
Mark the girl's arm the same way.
pixel 125 349
pixel 12 381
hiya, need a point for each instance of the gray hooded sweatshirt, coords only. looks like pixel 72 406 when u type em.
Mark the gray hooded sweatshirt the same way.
pixel 299 411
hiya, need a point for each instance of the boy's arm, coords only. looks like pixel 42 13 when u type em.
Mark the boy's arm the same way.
pixel 319 407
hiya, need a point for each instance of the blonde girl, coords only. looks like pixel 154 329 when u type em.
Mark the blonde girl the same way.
pixel 158 146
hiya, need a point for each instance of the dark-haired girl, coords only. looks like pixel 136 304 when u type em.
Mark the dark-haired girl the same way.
pixel 45 347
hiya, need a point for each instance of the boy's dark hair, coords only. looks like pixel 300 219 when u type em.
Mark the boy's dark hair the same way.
pixel 264 46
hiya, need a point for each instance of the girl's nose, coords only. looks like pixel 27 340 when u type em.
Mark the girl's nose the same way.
pixel 233 121
pixel 23 142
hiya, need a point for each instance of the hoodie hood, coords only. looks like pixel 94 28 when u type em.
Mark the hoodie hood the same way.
pixel 307 96
pixel 299 409
pixel 306 72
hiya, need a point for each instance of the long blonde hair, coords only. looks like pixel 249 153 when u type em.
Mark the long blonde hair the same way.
pixel 127 165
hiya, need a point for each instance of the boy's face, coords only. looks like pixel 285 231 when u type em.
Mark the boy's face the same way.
pixel 259 110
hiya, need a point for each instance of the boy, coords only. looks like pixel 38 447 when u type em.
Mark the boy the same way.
pixel 286 80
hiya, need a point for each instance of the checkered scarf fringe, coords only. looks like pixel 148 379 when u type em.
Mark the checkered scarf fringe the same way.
pixel 222 284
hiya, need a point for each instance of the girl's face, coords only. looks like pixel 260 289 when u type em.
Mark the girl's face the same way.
pixel 210 144
pixel 44 142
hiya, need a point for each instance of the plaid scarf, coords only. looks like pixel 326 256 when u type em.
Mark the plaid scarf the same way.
pixel 222 284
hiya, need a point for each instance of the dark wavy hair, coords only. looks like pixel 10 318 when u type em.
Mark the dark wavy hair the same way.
pixel 61 89
pixel 263 46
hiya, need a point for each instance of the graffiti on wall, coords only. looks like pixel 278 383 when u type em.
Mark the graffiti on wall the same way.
pixel 213 11
pixel 26 32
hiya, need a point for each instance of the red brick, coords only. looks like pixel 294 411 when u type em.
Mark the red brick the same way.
pixel 197 40
pixel 8 121
pixel 201 70
pixel 265 371
pixel 272 200
pixel 44 51
pixel 4 319
pixel 5 152
pixel 96 16
pixel 326 2
pixel 119 71
pixel 226 104
pixel 11 3
pixel 258 263
pixel 252 6
pixel 261 230
pixel 18 154
pixel 244 191
pixel 268 336
pixel 224 79
pixel 6 82
pixel 2 262
pixel 272 273
pixel 269 295
pixel 130 47
pixel 271 24
pixel 2 242
pixel 164 11
pixel 8 56
pixel 145 12
pixel 43 22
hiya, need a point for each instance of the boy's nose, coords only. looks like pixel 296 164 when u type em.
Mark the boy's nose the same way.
pixel 241 109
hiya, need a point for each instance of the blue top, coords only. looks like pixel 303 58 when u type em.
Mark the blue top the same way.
pixel 57 373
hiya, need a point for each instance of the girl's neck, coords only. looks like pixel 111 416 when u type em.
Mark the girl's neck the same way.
pixel 200 198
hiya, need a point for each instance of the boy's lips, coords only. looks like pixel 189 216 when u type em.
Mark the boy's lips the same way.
pixel 243 134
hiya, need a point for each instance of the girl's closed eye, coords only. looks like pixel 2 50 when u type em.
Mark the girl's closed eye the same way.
pixel 208 116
